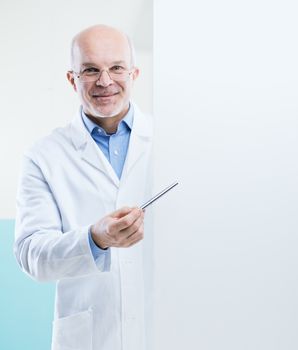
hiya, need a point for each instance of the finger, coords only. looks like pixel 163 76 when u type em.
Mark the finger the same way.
pixel 139 231
pixel 133 239
pixel 127 220
pixel 134 227
pixel 121 212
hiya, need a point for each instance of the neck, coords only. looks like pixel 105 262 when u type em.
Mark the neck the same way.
pixel 109 124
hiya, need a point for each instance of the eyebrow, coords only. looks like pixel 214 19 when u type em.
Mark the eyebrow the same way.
pixel 89 64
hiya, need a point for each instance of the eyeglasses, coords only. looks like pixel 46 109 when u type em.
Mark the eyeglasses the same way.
pixel 91 74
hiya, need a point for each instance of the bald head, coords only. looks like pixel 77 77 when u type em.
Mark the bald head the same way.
pixel 103 73
pixel 99 34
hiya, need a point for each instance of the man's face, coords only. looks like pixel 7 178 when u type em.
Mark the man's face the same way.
pixel 105 51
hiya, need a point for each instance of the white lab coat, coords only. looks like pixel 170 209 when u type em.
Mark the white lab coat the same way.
pixel 66 185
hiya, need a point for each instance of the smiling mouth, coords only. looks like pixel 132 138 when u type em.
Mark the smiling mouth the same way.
pixel 105 95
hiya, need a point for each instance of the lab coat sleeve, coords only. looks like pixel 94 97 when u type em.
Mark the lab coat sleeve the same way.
pixel 42 250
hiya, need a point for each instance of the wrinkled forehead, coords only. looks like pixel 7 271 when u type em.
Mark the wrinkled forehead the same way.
pixel 101 49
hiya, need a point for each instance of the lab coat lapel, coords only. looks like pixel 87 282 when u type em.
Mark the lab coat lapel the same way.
pixel 140 140
pixel 94 156
pixel 89 151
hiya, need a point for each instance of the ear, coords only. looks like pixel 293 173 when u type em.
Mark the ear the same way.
pixel 135 73
pixel 70 78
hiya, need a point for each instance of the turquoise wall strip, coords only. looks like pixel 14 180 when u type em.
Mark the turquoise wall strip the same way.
pixel 26 306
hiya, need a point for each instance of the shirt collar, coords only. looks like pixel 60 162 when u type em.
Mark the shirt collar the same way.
pixel 125 123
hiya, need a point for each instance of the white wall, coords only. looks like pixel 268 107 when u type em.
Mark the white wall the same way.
pixel 225 103
pixel 35 95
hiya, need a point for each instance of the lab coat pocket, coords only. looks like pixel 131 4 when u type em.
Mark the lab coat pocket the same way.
pixel 73 332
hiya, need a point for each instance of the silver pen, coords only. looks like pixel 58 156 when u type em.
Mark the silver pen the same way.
pixel 153 199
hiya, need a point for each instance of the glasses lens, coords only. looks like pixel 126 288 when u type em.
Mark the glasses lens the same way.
pixel 122 76
pixel 88 77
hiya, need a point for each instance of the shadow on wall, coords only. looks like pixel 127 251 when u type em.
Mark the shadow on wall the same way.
pixel 26 306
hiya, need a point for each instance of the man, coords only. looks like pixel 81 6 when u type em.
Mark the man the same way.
pixel 77 220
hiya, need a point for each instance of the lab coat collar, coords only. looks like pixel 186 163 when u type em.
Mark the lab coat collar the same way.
pixel 139 140
pixel 88 149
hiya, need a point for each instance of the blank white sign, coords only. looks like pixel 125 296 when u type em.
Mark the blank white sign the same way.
pixel 225 102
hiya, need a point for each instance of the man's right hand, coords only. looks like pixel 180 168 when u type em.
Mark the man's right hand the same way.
pixel 122 228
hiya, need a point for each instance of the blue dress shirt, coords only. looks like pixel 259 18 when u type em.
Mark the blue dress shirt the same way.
pixel 114 147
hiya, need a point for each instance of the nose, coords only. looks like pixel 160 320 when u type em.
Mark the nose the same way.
pixel 104 79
